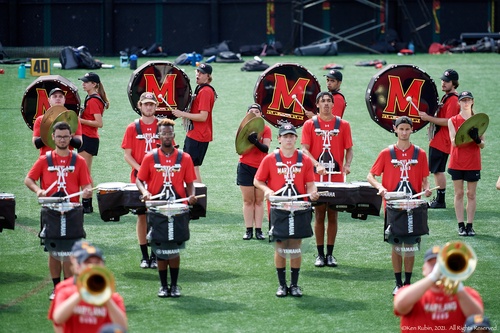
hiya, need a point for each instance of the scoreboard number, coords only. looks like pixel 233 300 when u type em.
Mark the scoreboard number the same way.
pixel 40 66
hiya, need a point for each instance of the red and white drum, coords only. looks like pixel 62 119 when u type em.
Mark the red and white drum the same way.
pixel 276 88
pixel 388 91
pixel 36 97
pixel 7 211
pixel 165 80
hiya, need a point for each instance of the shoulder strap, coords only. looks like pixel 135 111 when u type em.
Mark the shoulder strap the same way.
pixel 73 160
pixel 316 122
pixel 138 127
pixel 200 86
pixel 415 154
pixel 337 123
pixel 299 158
pixel 179 157
pixel 88 97
pixel 155 156
pixel 393 152
pixel 277 155
pixel 50 161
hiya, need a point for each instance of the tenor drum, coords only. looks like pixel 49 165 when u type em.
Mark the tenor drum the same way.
pixel 110 201
pixel 407 217
pixel 36 97
pixel 341 196
pixel 275 89
pixel 199 209
pixel 132 197
pixel 291 219
pixel 368 201
pixel 388 90
pixel 162 78
pixel 168 223
pixel 7 211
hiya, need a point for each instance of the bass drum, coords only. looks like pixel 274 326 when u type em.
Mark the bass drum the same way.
pixel 275 90
pixel 166 81
pixel 388 91
pixel 36 97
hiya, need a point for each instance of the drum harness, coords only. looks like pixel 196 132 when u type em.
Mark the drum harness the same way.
pixel 61 170
pixel 326 158
pixel 87 98
pixel 168 190
pixel 187 123
pixel 147 137
pixel 433 129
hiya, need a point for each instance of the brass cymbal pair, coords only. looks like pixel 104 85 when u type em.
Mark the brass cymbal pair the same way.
pixel 250 124
pixel 51 117
pixel 479 121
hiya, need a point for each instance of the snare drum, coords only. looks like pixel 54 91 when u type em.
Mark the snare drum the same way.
pixel 291 219
pixel 407 217
pixel 7 211
pixel 110 201
pixel 341 196
pixel 168 223
pixel 62 221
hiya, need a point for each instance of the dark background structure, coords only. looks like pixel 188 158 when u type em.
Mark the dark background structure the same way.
pixel 179 26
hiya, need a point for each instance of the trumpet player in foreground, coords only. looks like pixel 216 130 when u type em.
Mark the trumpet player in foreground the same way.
pixel 87 301
pixel 440 301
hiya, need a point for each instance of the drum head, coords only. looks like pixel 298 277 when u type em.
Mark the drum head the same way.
pixel 388 90
pixel 36 97
pixel 275 89
pixel 161 78
pixel 7 196
pixel 112 186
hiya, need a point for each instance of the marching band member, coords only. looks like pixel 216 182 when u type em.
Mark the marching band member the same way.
pixel 67 181
pixel 70 312
pixel 199 131
pixel 253 198
pixel 465 164
pixel 403 166
pixel 170 182
pixel 270 178
pixel 327 140
pixel 139 139
pixel 425 304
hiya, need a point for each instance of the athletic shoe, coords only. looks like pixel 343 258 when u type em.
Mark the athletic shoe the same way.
pixel 331 261
pixel 248 235
pixel 396 289
pixel 153 263
pixel 144 263
pixel 295 291
pixel 320 261
pixel 52 295
pixel 282 291
pixel 175 291
pixel 434 204
pixel 462 231
pixel 259 235
pixel 163 292
pixel 470 231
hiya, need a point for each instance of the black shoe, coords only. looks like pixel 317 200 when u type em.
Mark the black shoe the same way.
pixel 434 204
pixel 153 263
pixel 248 235
pixel 295 291
pixel 331 261
pixel 282 291
pixel 320 261
pixel 396 289
pixel 470 231
pixel 462 231
pixel 88 210
pixel 259 235
pixel 163 292
pixel 175 291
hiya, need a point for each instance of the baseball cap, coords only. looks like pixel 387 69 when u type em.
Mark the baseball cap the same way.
pixel 254 106
pixel 90 76
pixel 53 91
pixel 333 74
pixel 477 322
pixel 450 75
pixel 82 250
pixel 432 253
pixel 287 129
pixel 403 120
pixel 148 97
pixel 112 328
pixel 465 94
pixel 205 68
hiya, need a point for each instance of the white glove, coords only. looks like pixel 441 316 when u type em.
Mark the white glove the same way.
pixel 435 275
pixel 460 287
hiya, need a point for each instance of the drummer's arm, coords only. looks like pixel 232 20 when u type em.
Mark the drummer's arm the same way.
pixel 309 114
pixel 436 120
pixel 87 190
pixel 320 169
pixel 140 186
pixel 190 191
pixel 373 182
pixel 452 131
pixel 200 117
pixel 130 159
pixel 312 191
pixel 32 185
pixel 426 186
pixel 349 154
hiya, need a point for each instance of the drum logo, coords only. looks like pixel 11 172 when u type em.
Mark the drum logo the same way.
pixel 170 228
pixel 42 103
pixel 291 224
pixel 166 90
pixel 282 98
pixel 397 99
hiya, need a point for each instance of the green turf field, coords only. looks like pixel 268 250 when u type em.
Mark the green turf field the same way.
pixel 229 284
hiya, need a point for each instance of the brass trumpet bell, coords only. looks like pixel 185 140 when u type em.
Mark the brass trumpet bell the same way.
pixel 457 261
pixel 96 284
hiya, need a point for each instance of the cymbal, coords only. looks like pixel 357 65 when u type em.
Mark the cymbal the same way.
pixel 254 125
pixel 479 121
pixel 53 115
pixel 249 116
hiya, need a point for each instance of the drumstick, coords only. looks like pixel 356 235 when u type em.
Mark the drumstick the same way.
pixel 409 99
pixel 78 193
pixel 300 104
pixel 51 186
pixel 160 96
pixel 177 200
pixel 277 198
pixel 419 194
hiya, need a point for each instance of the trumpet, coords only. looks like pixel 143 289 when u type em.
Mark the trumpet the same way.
pixel 457 261
pixel 96 284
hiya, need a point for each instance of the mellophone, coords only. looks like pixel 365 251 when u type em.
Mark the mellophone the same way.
pixel 116 199
pixel 358 198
